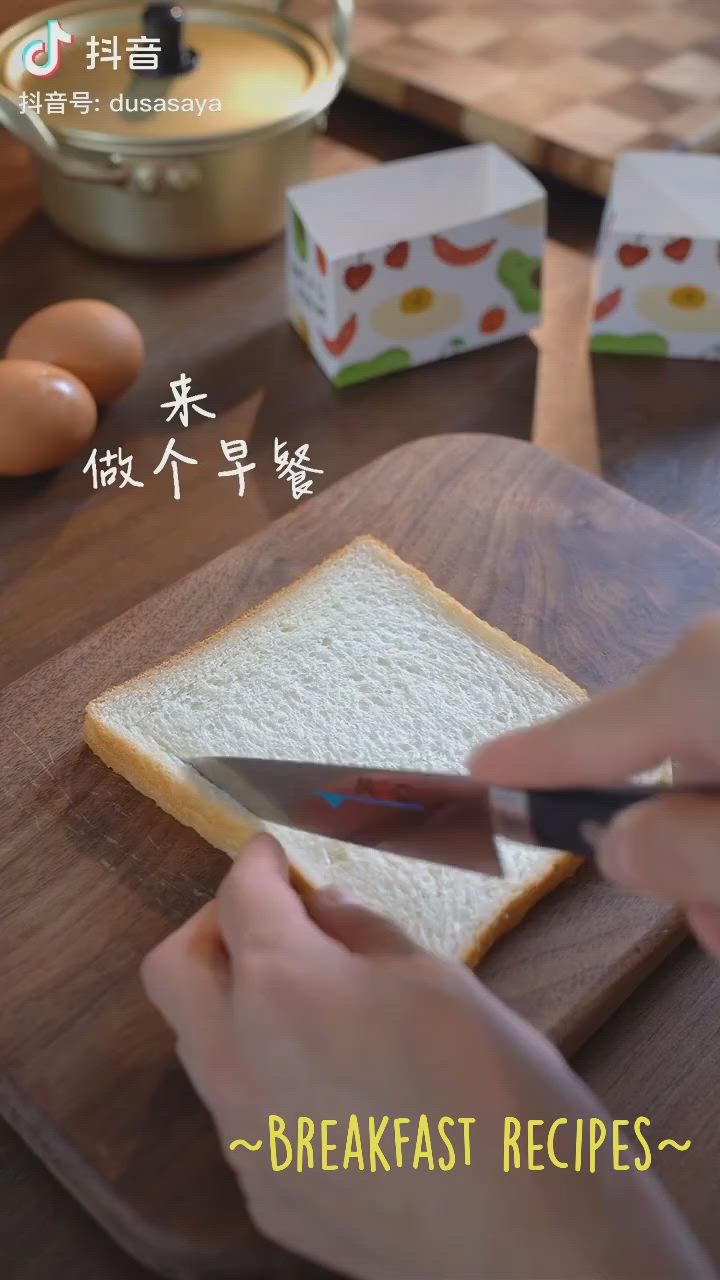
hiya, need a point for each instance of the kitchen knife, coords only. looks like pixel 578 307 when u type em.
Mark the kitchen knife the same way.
pixel 447 818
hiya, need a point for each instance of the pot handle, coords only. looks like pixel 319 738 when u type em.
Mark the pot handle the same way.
pixel 30 129
pixel 342 25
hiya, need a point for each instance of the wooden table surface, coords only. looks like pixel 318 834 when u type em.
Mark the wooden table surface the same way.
pixel 71 559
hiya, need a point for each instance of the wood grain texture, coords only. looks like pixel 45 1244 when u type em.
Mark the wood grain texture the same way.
pixel 94 874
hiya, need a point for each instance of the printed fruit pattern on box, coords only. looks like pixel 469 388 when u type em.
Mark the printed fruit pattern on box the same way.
pixel 658 296
pixel 417 300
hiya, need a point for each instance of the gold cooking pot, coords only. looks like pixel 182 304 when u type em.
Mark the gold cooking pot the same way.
pixel 164 182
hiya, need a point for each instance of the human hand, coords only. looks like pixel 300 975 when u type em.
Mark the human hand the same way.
pixel 324 1010
pixel 668 848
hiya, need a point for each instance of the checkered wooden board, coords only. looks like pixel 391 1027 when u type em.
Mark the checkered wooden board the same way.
pixel 564 86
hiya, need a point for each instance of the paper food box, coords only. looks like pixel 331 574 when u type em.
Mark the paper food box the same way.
pixel 404 263
pixel 658 269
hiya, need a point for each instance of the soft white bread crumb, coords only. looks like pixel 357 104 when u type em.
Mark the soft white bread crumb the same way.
pixel 363 661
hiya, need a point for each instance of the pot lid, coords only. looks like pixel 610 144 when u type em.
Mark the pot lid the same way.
pixel 132 76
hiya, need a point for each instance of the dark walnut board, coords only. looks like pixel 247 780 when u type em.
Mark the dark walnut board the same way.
pixel 93 874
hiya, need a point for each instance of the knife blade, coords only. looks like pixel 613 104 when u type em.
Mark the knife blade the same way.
pixel 437 817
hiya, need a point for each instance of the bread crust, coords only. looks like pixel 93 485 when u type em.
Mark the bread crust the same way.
pixel 229 833
pixel 562 867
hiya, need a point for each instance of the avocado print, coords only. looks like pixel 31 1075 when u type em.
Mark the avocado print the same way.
pixel 392 361
pixel 636 344
pixel 300 235
pixel 522 276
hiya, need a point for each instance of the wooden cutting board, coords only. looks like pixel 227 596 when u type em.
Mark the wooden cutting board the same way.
pixel 563 85
pixel 93 875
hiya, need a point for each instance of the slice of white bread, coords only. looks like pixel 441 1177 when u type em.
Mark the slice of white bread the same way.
pixel 365 662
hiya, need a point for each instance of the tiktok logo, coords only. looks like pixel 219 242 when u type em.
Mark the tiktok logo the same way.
pixel 42 57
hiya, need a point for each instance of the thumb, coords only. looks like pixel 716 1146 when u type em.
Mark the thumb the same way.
pixel 344 918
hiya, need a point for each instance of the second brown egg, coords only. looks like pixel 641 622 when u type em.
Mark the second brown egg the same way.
pixel 97 342
pixel 47 417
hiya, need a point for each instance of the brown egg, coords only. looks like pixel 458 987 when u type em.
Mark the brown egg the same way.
pixel 46 416
pixel 97 342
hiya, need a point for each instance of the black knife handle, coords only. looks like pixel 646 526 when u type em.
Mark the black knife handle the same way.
pixel 556 818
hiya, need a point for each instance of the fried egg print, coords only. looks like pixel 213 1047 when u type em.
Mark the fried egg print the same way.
pixel 417 314
pixel 685 309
